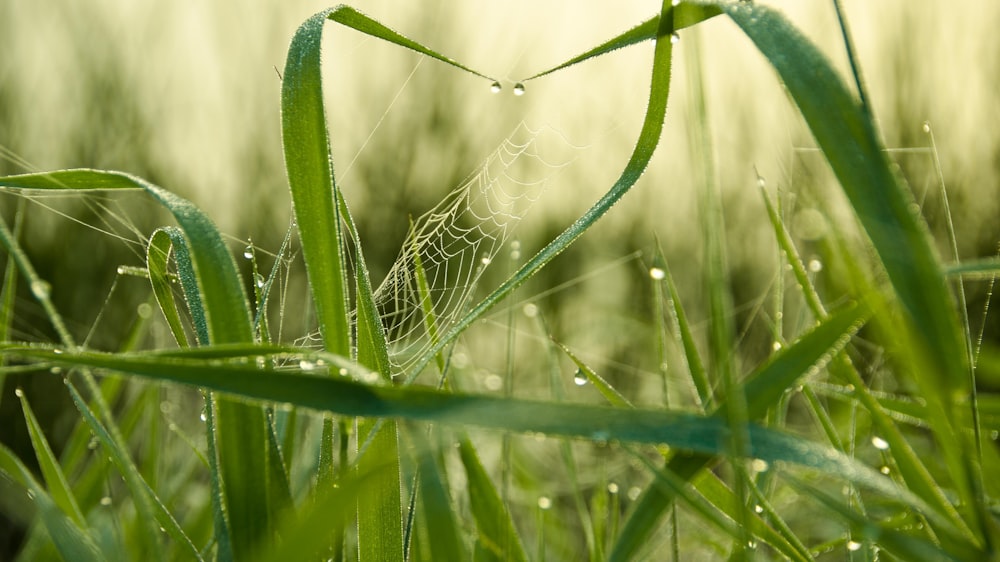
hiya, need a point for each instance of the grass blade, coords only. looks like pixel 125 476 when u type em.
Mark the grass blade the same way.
pixel 886 209
pixel 649 138
pixel 157 254
pixel 71 541
pixel 498 538
pixel 59 488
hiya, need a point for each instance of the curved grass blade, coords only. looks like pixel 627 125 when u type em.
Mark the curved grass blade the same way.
pixel 70 540
pixel 649 138
pixel 218 303
pixel 609 392
pixel 157 254
pixel 684 15
pixel 886 209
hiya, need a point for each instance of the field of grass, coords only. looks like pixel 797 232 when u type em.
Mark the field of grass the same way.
pixel 610 340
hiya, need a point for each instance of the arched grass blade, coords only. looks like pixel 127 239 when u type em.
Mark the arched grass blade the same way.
pixel 157 255
pixel 649 138
pixel 684 15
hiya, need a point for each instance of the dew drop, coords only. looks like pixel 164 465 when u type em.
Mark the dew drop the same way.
pixel 612 488
pixel 995 434
pixel 248 252
pixel 853 546
pixel 19 393
pixel 657 273
pixel 879 443
pixel 758 509
pixel 761 182
pixel 121 270
pixel 579 378
pixel 885 470
pixel 55 370
pixel 815 266
pixel 633 493
pixel 674 38
pixel 306 365
pixel 530 310
pixel 926 127
pixel 93 443
pixel 515 245
pixel 57 351
pixel 776 345
pixel 493 382
pixel 759 465
pixel 144 310
pixel 106 501
pixel 519 89
pixel 496 87
pixel 343 371
pixel 203 417
pixel 260 280
pixel 544 502
pixel 486 260
pixel 41 289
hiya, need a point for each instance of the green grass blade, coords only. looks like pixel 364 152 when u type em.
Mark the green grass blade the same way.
pixel 762 389
pixel 987 268
pixel 610 394
pixel 897 543
pixel 886 209
pixel 8 291
pixel 152 513
pixel 157 255
pixel 649 138
pixel 684 15
pixel 59 488
pixel 436 506
pixel 70 540
pixel 682 330
pixel 498 538
pixel 380 522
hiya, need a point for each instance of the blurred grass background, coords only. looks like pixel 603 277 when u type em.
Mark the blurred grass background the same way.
pixel 186 94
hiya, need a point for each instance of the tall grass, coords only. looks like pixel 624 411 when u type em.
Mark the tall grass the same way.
pixel 313 453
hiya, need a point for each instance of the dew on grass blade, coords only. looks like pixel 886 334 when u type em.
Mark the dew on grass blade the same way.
pixel 248 253
pixel 544 502
pixel 519 89
pixel 633 493
pixel 306 365
pixel 579 379
pixel 815 266
pixel 612 488
pixel 853 546
pixel 657 273
pixel 927 127
pixel 495 87
pixel 260 280
pixel 530 310
pixel 41 289
pixel 759 465
pixel 493 382
pixel 879 443
pixel 675 38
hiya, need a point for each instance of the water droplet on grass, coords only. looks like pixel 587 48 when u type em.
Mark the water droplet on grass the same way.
pixel 485 261
pixel 759 465
pixel 41 289
pixel 248 252
pixel 815 266
pixel 496 87
pixel 544 502
pixel 106 501
pixel 776 345
pixel 530 310
pixel 519 89
pixel 18 392
pixel 657 273
pixel 493 382
pixel 885 470
pixel 853 546
pixel 579 378
pixel 926 127
pixel 675 38
pixel 758 509
pixel 633 493
pixel 306 365
pixel 880 444
pixel 612 488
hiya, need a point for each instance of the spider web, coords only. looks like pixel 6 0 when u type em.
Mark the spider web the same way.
pixel 455 242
